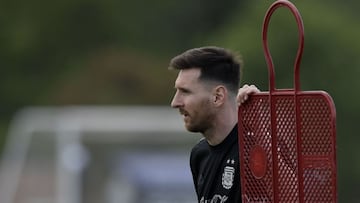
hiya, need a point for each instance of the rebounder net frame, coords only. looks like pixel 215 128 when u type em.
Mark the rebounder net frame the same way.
pixel 287 137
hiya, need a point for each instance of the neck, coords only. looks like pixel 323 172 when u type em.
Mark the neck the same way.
pixel 224 122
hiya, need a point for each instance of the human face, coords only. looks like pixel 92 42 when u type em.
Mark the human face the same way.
pixel 193 99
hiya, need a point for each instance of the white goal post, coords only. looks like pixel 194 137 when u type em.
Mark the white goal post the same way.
pixel 68 124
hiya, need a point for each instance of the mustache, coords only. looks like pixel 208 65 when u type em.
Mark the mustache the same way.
pixel 183 112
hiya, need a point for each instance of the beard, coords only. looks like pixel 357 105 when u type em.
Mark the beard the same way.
pixel 199 120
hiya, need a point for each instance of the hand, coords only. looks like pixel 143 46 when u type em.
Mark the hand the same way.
pixel 244 92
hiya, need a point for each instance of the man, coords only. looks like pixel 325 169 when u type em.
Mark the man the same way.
pixel 207 96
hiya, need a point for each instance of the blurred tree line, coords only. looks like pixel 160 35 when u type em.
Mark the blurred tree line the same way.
pixel 111 52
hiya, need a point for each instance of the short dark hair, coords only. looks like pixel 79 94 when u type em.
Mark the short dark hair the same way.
pixel 215 64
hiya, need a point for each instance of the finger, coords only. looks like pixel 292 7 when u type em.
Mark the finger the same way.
pixel 252 89
pixel 246 97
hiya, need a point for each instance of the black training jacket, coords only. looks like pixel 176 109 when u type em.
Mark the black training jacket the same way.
pixel 215 170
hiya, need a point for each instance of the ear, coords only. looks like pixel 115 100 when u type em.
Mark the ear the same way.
pixel 220 94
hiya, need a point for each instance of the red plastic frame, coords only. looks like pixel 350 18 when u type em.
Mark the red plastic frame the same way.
pixel 287 137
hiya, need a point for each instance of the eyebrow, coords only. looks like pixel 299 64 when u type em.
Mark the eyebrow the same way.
pixel 183 89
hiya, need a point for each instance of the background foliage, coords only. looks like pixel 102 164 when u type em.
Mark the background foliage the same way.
pixel 117 52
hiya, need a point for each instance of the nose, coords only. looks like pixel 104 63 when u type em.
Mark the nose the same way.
pixel 176 102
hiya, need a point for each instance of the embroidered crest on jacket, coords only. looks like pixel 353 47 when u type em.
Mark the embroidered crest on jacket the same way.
pixel 228 175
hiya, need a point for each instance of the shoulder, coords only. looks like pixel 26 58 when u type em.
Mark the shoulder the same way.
pixel 199 152
pixel 201 147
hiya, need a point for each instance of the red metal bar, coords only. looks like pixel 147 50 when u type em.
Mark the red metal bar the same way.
pixel 269 61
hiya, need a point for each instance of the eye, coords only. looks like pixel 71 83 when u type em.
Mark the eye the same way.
pixel 184 91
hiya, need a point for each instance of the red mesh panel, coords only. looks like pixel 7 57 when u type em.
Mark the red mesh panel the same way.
pixel 318 148
pixel 286 149
pixel 315 120
pixel 257 130
pixel 302 167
